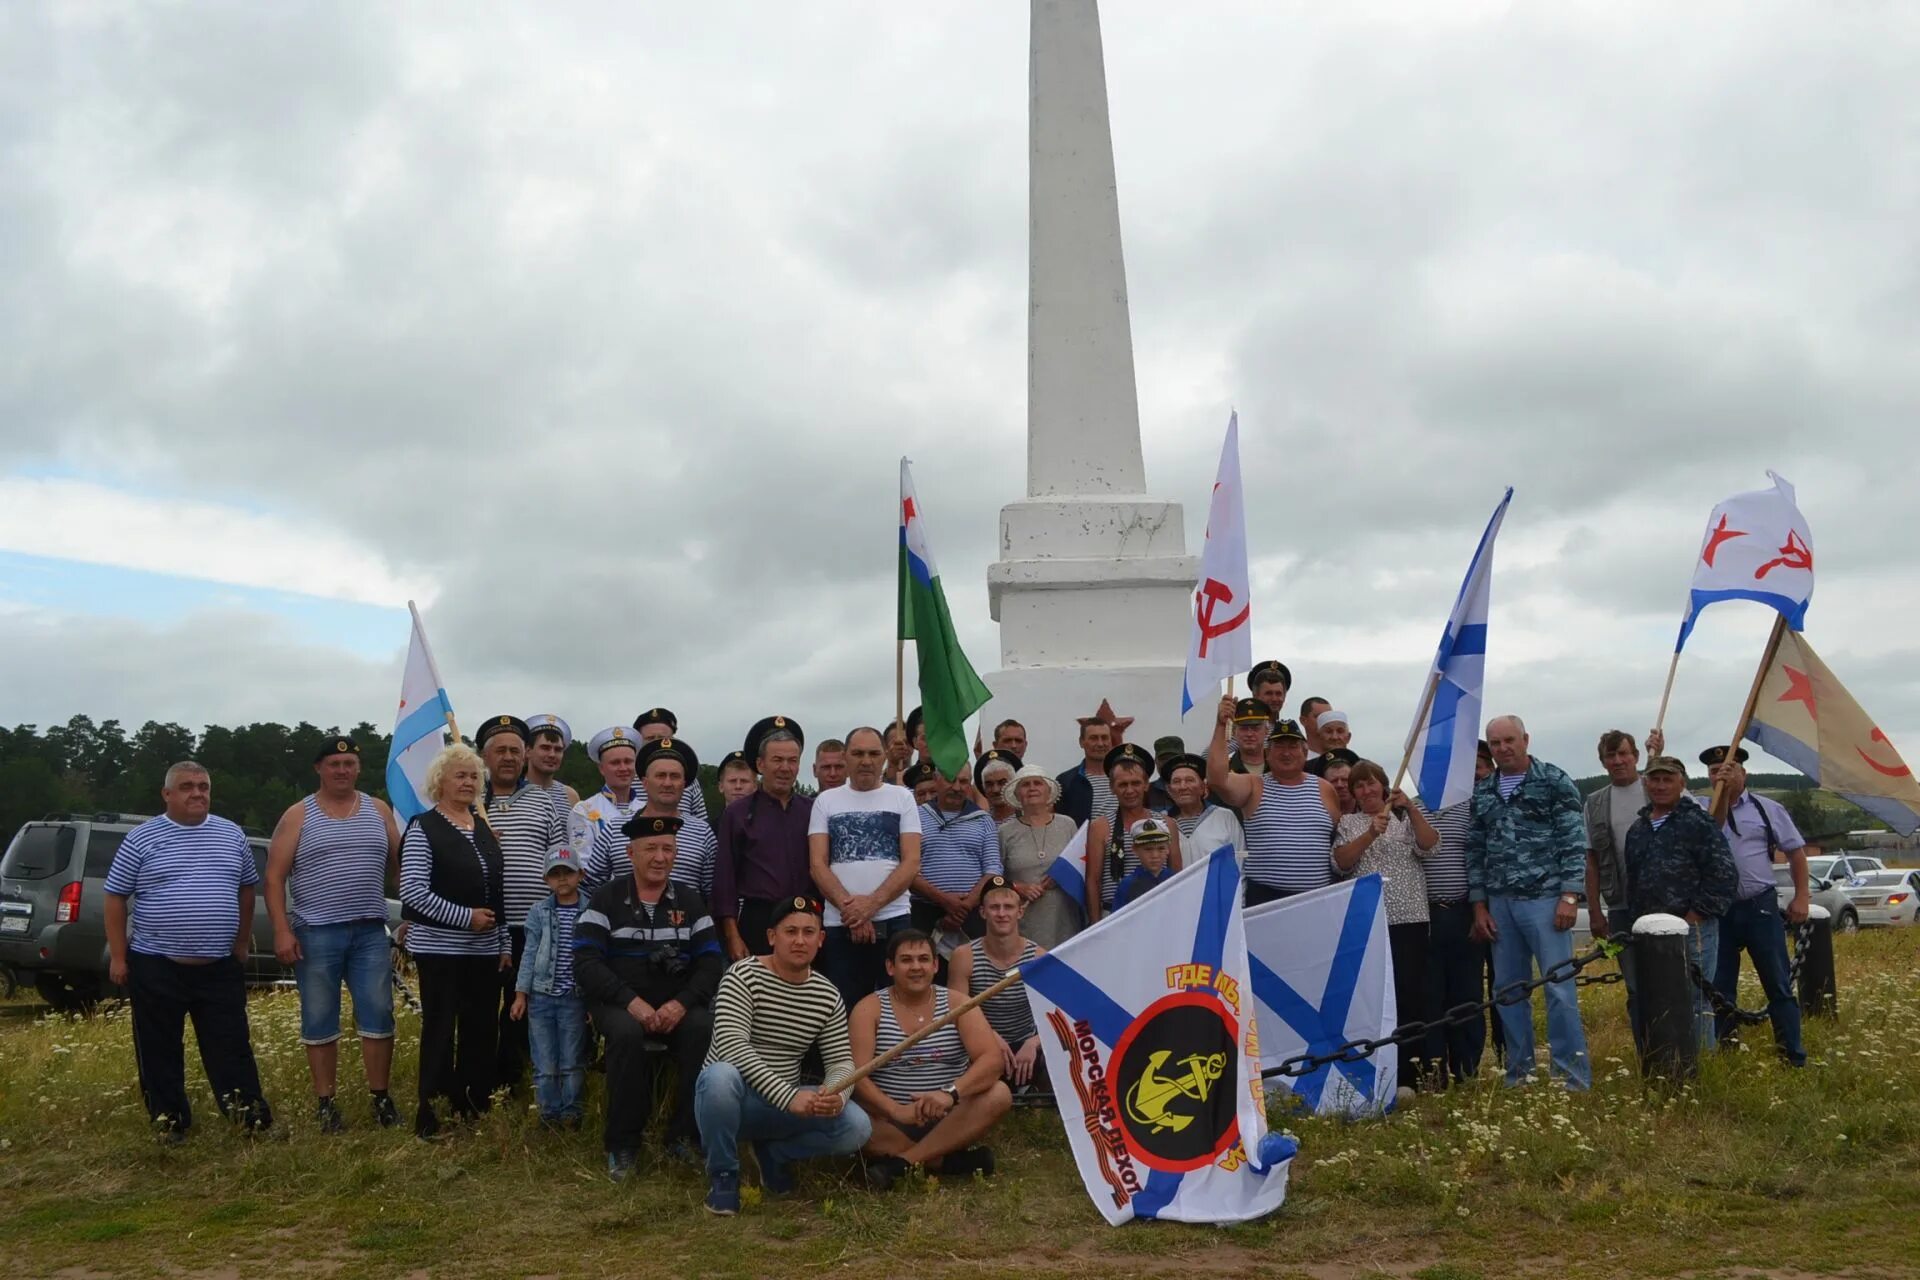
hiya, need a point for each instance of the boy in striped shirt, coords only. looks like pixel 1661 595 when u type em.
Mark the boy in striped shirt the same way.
pixel 769 1011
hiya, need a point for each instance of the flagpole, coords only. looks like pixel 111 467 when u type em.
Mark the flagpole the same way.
pixel 433 668
pixel 953 1015
pixel 1715 805
pixel 1419 718
pixel 1660 721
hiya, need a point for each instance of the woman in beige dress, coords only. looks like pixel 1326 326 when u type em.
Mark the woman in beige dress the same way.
pixel 1029 842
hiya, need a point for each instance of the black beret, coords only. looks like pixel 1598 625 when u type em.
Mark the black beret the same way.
pixel 1250 710
pixel 925 771
pixel 657 715
pixel 1715 755
pixel 1185 760
pixel 1267 670
pixel 336 747
pixel 995 756
pixel 669 747
pixel 791 906
pixel 643 824
pixel 734 757
pixel 1128 753
pixel 772 724
pixel 498 725
pixel 915 718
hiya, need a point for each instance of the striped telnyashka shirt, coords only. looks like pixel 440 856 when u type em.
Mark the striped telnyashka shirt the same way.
pixel 451 933
pixel 1289 836
pixel 763 1025
pixel 528 826
pixel 185 883
pixel 1447 864
pixel 930 1066
pixel 339 865
pixel 1008 1012
pixel 1104 805
pixel 694 848
pixel 958 850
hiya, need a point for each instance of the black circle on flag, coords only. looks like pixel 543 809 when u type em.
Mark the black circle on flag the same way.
pixel 1176 1076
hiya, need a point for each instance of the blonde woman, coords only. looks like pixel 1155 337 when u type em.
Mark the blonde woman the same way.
pixel 1029 842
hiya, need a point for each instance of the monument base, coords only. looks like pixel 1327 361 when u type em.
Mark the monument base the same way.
pixel 1049 701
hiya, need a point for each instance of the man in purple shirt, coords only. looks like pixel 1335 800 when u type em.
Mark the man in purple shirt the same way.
pixel 762 857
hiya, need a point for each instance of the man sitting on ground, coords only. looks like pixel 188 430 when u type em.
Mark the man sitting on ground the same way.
pixel 931 1102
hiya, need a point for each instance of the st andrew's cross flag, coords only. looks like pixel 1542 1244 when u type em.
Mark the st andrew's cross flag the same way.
pixel 1323 975
pixel 419 727
pixel 1222 641
pixel 1757 547
pixel 950 691
pixel 1069 870
pixel 1148 1030
pixel 1805 716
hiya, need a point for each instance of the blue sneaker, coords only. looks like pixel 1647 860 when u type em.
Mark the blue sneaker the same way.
pixel 776 1179
pixel 723 1194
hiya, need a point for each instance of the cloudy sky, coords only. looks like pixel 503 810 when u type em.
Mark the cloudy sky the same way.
pixel 599 330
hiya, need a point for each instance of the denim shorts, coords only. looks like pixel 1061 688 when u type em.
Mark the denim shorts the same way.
pixel 358 954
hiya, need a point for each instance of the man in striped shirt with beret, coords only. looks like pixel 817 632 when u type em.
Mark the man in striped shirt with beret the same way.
pixel 191 877
pixel 769 1011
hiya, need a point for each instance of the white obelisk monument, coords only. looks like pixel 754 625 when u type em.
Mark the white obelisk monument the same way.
pixel 1093 587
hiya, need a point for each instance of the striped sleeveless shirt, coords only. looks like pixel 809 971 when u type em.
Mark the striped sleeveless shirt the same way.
pixel 339 866
pixel 930 1066
pixel 1290 837
pixel 1007 1013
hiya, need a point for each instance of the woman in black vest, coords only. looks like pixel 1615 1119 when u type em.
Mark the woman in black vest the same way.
pixel 451 897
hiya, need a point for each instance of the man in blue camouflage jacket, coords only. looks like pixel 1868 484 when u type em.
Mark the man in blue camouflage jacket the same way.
pixel 1678 863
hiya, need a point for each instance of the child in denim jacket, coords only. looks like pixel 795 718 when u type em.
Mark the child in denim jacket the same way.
pixel 546 996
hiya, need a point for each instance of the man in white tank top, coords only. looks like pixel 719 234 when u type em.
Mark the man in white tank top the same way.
pixel 930 1103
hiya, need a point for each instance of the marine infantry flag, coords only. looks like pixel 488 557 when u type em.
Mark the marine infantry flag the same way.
pixel 1147 1023
pixel 1445 734
pixel 420 726
pixel 1222 611
pixel 1805 716
pixel 1323 975
pixel 1757 547
pixel 950 691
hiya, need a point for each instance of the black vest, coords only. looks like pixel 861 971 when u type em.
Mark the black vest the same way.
pixel 456 875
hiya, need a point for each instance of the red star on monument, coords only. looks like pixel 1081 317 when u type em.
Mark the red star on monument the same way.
pixel 1800 689
pixel 1719 535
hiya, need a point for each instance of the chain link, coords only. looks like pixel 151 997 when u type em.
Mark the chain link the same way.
pixel 1725 1008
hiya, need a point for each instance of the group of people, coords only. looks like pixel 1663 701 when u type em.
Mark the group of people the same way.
pixel 778 957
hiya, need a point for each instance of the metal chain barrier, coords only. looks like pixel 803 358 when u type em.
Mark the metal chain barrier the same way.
pixel 1725 1008
pixel 1302 1064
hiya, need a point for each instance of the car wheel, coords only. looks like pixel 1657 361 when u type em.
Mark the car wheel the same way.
pixel 1849 921
pixel 78 995
pixel 9 982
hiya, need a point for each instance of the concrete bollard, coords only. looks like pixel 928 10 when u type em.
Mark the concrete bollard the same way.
pixel 1819 993
pixel 1669 1037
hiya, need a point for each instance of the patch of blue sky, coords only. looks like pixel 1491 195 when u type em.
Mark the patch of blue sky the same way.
pixel 109 591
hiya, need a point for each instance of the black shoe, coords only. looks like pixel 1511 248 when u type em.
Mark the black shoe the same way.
pixel 620 1164
pixel 328 1116
pixel 426 1125
pixel 172 1135
pixel 964 1164
pixel 385 1113
pixel 884 1172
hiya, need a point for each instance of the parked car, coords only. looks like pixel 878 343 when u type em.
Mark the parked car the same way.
pixel 53 929
pixel 1842 866
pixel 1884 897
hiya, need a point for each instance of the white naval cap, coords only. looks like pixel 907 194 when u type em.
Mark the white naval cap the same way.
pixel 617 736
pixel 547 720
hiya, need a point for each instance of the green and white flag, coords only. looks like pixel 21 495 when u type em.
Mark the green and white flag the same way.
pixel 950 691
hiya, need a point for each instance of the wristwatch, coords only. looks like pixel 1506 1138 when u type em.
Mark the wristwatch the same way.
pixel 953 1091
pixel 1571 899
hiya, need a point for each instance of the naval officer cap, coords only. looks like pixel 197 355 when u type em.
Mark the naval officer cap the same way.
pixel 497 725
pixel 336 746
pixel 657 715
pixel 1129 753
pixel 547 722
pixel 1718 755
pixel 762 729
pixel 642 825
pixel 1271 669
pixel 670 748
pixel 1149 831
pixel 616 736
pixel 1251 711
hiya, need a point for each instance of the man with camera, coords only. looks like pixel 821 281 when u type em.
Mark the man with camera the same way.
pixel 648 959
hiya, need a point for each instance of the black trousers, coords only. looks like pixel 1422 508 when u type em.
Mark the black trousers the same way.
pixel 459 1030
pixel 512 1054
pixel 1253 893
pixel 1412 992
pixel 165 993
pixel 631 1066
pixel 1456 967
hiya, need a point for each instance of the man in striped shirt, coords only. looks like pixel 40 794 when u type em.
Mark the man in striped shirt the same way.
pixel 545 753
pixel 668 768
pixel 327 875
pixel 191 877
pixel 959 849
pixel 769 1011
pixel 654 724
pixel 529 827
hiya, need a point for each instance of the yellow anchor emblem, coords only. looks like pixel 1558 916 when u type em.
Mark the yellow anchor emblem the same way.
pixel 1152 1093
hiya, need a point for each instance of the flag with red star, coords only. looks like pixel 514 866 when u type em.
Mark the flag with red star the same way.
pixel 1806 717
pixel 1757 547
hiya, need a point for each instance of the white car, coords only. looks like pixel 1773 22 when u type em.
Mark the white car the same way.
pixel 1884 897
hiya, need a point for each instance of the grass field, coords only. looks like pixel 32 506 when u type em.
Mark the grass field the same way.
pixel 1753 1170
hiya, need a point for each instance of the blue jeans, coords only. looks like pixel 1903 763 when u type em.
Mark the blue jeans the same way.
pixel 555 1027
pixel 1524 936
pixel 730 1109
pixel 358 953
pixel 1703 953
pixel 1755 925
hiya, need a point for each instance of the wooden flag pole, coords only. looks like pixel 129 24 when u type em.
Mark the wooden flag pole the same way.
pixel 1419 717
pixel 1660 721
pixel 953 1015
pixel 1717 806
pixel 900 688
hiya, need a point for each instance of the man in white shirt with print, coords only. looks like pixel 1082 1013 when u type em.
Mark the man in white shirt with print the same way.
pixel 863 843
